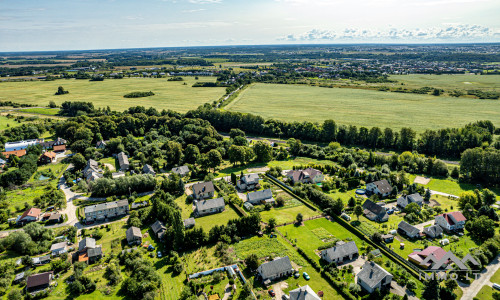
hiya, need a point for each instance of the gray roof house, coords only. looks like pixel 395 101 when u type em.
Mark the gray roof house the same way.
pixel 433 231
pixel 147 169
pixel 373 277
pixel 92 171
pixel 188 223
pixel 275 269
pixel 134 236
pixel 304 293
pixel 58 248
pixel 211 206
pixel 159 229
pixel 381 187
pixel 106 210
pixel 248 182
pixel 203 190
pixel 404 200
pixel 261 196
pixel 94 254
pixel 407 229
pixel 339 253
pixel 86 243
pixel 374 211
pixel 181 171
pixel 123 161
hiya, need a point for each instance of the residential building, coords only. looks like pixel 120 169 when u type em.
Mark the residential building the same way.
pixel 189 223
pixel 261 197
pixel 373 276
pixel 53 144
pixel 387 238
pixel 408 230
pixel 42 260
pixel 106 210
pixel 340 253
pixel 59 148
pixel 374 211
pixel 31 215
pixel 117 174
pixel 94 254
pixel 86 243
pixel 100 144
pixel 134 236
pixel 147 169
pixel 381 188
pixel 55 218
pixel 92 171
pixel 308 175
pixel 418 257
pixel 48 157
pixel 159 229
pixel 433 231
pixel 278 268
pixel 21 145
pixel 404 200
pixel 181 171
pixel 18 153
pixel 58 248
pixel 211 206
pixel 304 293
pixel 451 221
pixel 203 190
pixel 18 278
pixel 38 282
pixel 123 161
pixel 248 182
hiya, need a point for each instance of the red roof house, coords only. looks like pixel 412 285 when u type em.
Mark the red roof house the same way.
pixel 451 221
pixel 418 257
pixel 31 215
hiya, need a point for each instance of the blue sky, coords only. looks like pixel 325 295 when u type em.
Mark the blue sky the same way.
pixel 27 25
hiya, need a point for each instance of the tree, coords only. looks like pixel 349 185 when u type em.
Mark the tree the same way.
pixel 252 262
pixel 240 141
pixel 413 208
pixel 299 218
pixel 427 195
pixel 358 211
pixel 488 197
pixel 14 294
pixel 280 201
pixel 263 151
pixel 215 159
pixel 451 284
pixel 78 161
pixel 431 290
pixel 191 154
pixel 61 91
pixel 352 202
pixel 467 197
pixel 52 104
pixel 377 237
pixel 338 206
pixel 411 285
pixel 481 228
pixel 271 224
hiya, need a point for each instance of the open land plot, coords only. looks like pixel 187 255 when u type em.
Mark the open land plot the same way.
pixel 496 277
pixel 486 293
pixel 450 186
pixel 362 107
pixel 168 94
pixel 449 82
pixel 8 123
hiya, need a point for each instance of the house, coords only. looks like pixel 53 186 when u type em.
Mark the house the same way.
pixel 418 257
pixel 433 231
pixel 38 282
pixel 248 205
pixel 248 182
pixel 21 145
pixel 381 188
pixel 47 157
pixel 53 144
pixel 123 161
pixel 100 144
pixel 59 148
pixel 159 229
pixel 308 175
pixel 408 230
pixel 211 206
pixel 304 293
pixel 55 218
pixel 17 153
pixel 280 267
pixel 94 254
pixel 92 171
pixel 136 205
pixel 2 162
pixel 404 200
pixel 387 238
pixel 86 243
pixel 181 171
pixel 451 221
pixel 58 248
pixel 374 212
pixel 19 277
pixel 106 210
pixel 373 276
pixel 260 197
pixel 147 169
pixel 42 260
pixel 189 223
pixel 203 190
pixel 31 215
pixel 134 236
pixel 341 252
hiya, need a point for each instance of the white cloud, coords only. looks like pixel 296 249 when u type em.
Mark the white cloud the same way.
pixel 205 1
pixel 193 10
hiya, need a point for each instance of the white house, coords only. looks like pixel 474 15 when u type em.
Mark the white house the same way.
pixel 373 276
pixel 308 175
pixel 280 267
pixel 211 206
pixel 404 200
pixel 31 215
pixel 248 182
pixel 304 293
pixel 451 221
pixel 181 171
pixel 123 161
pixel 106 210
pixel 21 145
pixel 341 252
pixel 381 188
pixel 260 197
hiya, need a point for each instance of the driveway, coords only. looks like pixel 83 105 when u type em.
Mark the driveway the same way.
pixel 401 291
pixel 422 225
pixel 470 291
pixel 442 194
pixel 278 289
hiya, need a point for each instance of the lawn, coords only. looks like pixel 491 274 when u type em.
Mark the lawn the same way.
pixel 168 94
pixel 486 293
pixel 362 107
pixel 41 111
pixel 8 123
pixel 448 82
pixel 450 186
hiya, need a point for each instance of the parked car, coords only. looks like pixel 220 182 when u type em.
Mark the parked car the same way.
pixel 306 276
pixel 285 297
pixel 296 275
pixel 159 254
pixel 496 286
pixel 151 248
pixel 272 293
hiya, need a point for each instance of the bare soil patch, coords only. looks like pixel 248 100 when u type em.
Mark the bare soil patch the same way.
pixel 422 180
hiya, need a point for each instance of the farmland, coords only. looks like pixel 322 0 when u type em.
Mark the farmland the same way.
pixel 449 82
pixel 173 95
pixel 362 107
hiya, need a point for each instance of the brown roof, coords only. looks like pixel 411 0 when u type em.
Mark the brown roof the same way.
pixel 39 279
pixel 55 217
pixel 83 256
pixel 50 154
pixel 17 153
pixel 32 212
pixel 59 147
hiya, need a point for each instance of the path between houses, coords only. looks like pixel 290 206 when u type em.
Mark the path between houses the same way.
pixel 443 194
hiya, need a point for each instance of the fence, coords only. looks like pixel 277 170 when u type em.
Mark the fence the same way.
pixel 289 191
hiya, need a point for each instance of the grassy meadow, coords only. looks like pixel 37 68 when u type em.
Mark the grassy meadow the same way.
pixel 168 94
pixel 449 82
pixel 363 107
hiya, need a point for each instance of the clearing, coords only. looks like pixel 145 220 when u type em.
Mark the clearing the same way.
pixel 449 82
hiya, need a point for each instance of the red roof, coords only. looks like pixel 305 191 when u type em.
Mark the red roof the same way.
pixel 17 153
pixel 458 216
pixel 50 154
pixel 59 147
pixel 32 212
pixel 421 255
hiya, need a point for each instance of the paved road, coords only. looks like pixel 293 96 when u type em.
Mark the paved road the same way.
pixel 443 194
pixel 470 291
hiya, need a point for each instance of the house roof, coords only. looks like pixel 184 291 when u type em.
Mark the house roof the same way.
pixel 39 279
pixel 387 236
pixel 433 230
pixel 250 178
pixel 419 256
pixel 407 199
pixel 259 195
pixel 122 159
pixel 373 207
pixel 383 186
pixel 148 169
pixel 59 147
pixel 203 188
pixel 180 170
pixel 55 216
pixel 86 243
pixel 372 274
pixel 339 251
pixel 203 205
pixel 158 226
pixel 49 154
pixel 304 293
pixel 277 266
pixel 32 212
pixel 100 143
pixel 19 276
pixel 93 252
pixel 453 217
pixel 17 153
pixel 408 229
pixel 132 233
pixel 105 206
pixel 297 175
pixel 58 246
pixel 189 222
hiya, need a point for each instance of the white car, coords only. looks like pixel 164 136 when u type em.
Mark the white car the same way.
pixel 159 254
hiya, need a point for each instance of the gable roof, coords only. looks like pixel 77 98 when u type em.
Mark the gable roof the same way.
pixel 372 274
pixel 57 246
pixel 373 207
pixel 49 154
pixel 32 212
pixel 277 266
pixel 203 205
pixel 342 250
pixel 39 279
pixel 180 170
pixel 158 226
pixel 408 229
pixel 133 232
pixel 297 175
pixel 17 153
pixel 413 198
pixel 105 206
pixel 433 230
pixel 122 159
pixel 250 178
pixel 86 243
pixel 303 293
pixel 59 147
pixel 189 222
pixel 93 252
pixel 420 256
pixel 260 195
pixel 55 216
pixel 148 169
pixel 383 186
pixel 453 217
pixel 203 188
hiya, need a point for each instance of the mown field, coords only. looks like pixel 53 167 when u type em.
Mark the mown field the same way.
pixel 449 82
pixel 168 94
pixel 363 107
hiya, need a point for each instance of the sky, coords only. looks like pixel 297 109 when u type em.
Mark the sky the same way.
pixel 36 25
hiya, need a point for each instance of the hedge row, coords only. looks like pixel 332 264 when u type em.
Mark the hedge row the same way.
pixel 305 202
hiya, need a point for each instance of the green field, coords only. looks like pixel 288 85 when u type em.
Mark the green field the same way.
pixel 449 82
pixel 41 111
pixel 363 107
pixel 8 123
pixel 168 94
